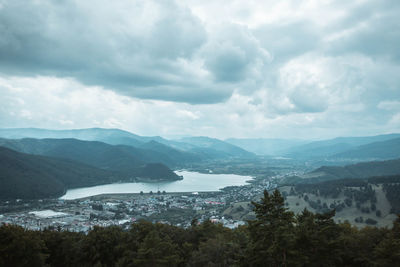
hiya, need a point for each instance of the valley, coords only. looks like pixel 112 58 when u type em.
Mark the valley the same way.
pixel 55 162
pixel 199 133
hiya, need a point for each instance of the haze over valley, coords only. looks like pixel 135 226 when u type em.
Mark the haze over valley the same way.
pixel 42 163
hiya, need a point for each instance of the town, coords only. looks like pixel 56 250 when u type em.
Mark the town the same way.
pixel 180 209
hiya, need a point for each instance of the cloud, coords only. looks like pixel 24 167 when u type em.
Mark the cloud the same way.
pixel 137 48
pixel 60 103
pixel 370 27
pixel 234 54
pixel 389 105
pixel 258 68
pixel 145 49
pixel 286 41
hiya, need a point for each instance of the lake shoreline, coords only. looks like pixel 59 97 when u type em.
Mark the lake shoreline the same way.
pixel 192 182
pixel 135 195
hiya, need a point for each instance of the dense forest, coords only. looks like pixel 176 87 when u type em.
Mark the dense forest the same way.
pixel 32 176
pixel 359 170
pixel 276 237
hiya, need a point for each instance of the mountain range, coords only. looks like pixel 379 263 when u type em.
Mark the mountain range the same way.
pixel 63 159
pixel 37 166
pixel 359 170
pixel 187 149
pixel 389 149
pixel 379 147
pixel 266 146
pixel 176 153
pixel 333 147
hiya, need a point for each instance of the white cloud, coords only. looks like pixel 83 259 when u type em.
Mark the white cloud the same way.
pixel 390 105
pixel 219 68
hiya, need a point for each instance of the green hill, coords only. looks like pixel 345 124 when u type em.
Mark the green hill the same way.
pixel 266 146
pixel 157 152
pixel 157 172
pixel 122 159
pixel 31 176
pixel 93 153
pixel 328 148
pixel 180 152
pixel 388 149
pixel 359 170
pixel 364 169
pixel 215 148
pixel 111 136
pixel 34 176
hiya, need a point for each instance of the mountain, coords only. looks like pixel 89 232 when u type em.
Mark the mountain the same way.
pixel 167 154
pixel 101 154
pixel 215 148
pixel 125 160
pixel 110 136
pixel 93 153
pixel 389 149
pixel 180 152
pixel 327 148
pixel 32 176
pixel 359 170
pixel 264 146
pixel 157 172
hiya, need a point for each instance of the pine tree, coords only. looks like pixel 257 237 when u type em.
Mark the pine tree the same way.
pixel 387 252
pixel 317 239
pixel 272 233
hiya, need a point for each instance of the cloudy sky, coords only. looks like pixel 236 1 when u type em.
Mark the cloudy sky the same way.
pixel 286 69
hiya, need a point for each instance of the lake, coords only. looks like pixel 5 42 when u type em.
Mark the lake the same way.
pixel 192 182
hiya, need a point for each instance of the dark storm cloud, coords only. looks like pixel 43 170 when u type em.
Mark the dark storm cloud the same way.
pixel 148 45
pixel 146 49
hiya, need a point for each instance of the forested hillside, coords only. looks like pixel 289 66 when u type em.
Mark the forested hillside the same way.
pixel 30 176
pixel 126 160
pixel 172 152
pixel 332 148
pixel 33 176
pixel 389 149
pixel 114 157
pixel 215 148
pixel 359 170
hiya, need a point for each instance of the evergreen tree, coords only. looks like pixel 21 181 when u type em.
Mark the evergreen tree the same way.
pixel 154 251
pixel 387 252
pixel 317 239
pixel 104 246
pixel 272 233
pixel 20 247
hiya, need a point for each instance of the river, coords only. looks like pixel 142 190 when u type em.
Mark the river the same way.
pixel 192 182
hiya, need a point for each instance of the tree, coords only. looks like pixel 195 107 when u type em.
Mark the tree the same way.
pixel 154 251
pixel 63 248
pixel 271 234
pixel 20 247
pixel 103 246
pixel 387 252
pixel 357 245
pixel 218 251
pixel 316 239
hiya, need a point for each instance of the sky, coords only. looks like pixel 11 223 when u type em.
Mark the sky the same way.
pixel 247 69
